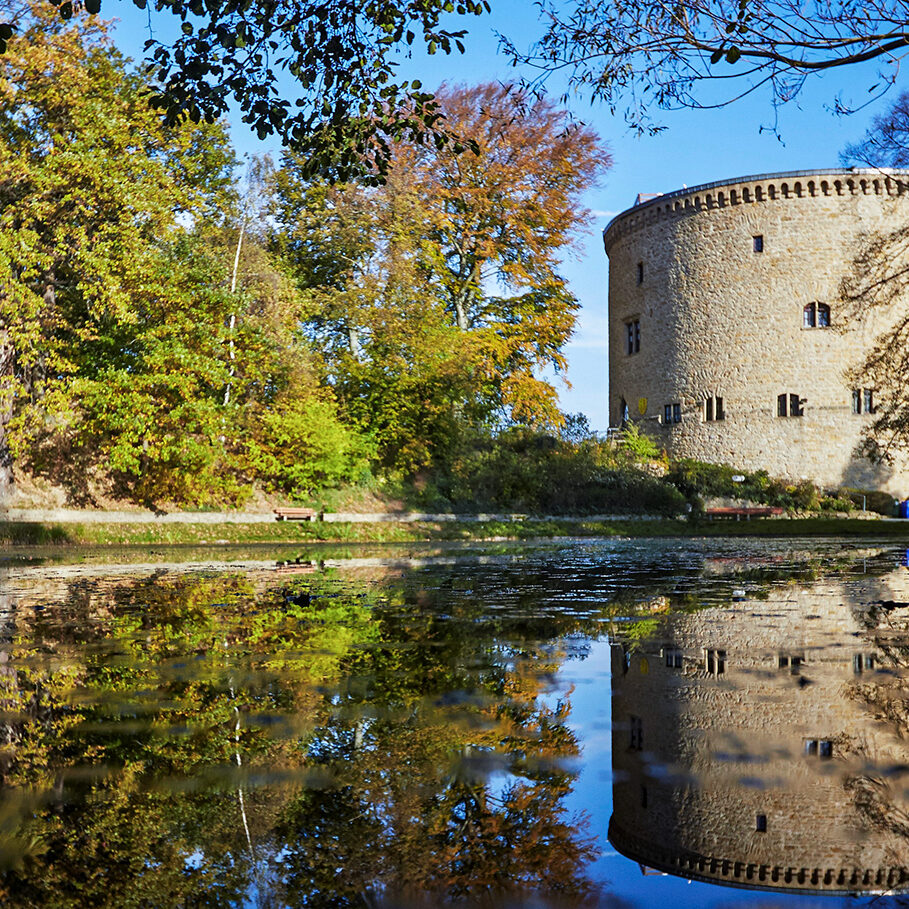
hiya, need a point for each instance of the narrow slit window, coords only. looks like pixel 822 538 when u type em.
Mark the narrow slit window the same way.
pixel 757 242
pixel 676 413
pixel 760 823
pixel 862 400
pixel 640 272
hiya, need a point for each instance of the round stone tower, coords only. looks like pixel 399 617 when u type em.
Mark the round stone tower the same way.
pixel 729 339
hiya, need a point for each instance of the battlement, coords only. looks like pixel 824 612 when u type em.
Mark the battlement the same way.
pixel 842 182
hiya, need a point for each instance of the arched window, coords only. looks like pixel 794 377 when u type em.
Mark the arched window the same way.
pixel 816 315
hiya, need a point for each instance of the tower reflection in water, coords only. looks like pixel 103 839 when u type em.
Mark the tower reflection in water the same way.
pixel 764 744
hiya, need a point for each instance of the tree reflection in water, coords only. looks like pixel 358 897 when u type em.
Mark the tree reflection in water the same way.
pixel 221 741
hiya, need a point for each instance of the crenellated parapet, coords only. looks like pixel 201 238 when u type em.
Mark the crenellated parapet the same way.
pixel 844 183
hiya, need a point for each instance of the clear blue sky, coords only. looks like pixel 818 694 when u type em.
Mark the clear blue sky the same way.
pixel 697 147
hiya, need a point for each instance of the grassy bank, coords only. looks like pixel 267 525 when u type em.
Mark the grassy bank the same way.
pixel 21 534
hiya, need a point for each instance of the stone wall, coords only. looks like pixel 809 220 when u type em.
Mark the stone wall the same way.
pixel 718 318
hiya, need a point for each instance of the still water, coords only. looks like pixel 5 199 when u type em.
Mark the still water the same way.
pixel 620 724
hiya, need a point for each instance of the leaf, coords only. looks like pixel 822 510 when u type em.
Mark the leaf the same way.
pixel 733 54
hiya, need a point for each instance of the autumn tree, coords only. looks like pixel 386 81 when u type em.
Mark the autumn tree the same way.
pixel 503 214
pixel 437 298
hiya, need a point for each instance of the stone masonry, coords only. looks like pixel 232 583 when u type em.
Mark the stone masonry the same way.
pixel 708 289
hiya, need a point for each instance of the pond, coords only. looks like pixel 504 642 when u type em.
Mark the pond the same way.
pixel 582 723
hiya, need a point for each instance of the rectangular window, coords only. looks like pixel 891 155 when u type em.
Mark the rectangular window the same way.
pixel 809 316
pixel 811 747
pixel 640 272
pixel 673 657
pixel 715 662
pixel 676 413
pixel 636 730
pixel 781 406
pixel 713 409
pixel 825 749
pixel 795 406
pixel 863 400
pixel 633 336
pixel 758 243
pixel 667 413
pixel 760 823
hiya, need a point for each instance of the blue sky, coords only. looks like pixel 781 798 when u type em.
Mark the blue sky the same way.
pixel 696 147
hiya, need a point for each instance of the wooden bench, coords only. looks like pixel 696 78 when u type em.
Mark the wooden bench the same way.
pixel 294 514
pixel 755 511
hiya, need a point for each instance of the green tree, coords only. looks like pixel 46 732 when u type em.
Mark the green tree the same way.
pixel 137 361
pixel 342 57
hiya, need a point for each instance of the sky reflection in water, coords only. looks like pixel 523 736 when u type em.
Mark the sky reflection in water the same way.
pixel 377 729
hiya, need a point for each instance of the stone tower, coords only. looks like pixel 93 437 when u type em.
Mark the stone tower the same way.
pixel 729 340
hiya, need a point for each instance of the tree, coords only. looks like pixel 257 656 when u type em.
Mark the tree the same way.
pixel 886 142
pixel 137 361
pixel 437 297
pixel 685 54
pixel 503 213
pixel 341 56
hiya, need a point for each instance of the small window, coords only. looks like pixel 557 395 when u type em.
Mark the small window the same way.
pixel 816 315
pixel 822 748
pixel 636 729
pixel 640 272
pixel 643 796
pixel 623 411
pixel 633 336
pixel 713 409
pixel 715 662
pixel 760 823
pixel 862 662
pixel 790 405
pixel 758 243
pixel 673 657
pixel 676 413
pixel 863 400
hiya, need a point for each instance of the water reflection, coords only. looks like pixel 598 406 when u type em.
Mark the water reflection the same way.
pixel 762 744
pixel 404 731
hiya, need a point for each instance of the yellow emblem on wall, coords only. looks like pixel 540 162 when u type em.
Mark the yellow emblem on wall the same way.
pixel 642 406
